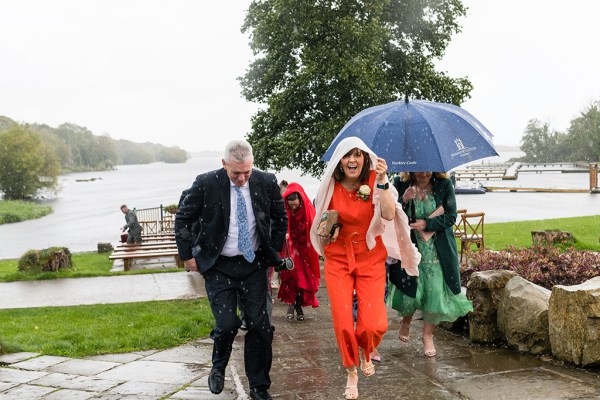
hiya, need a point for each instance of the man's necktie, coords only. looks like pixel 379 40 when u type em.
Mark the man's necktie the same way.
pixel 244 244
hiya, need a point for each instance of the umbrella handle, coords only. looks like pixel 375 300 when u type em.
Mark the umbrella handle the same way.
pixel 412 217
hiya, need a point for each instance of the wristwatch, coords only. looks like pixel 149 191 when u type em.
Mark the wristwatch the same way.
pixel 383 187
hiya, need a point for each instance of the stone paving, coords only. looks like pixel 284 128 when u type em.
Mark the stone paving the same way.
pixel 306 365
pixel 178 373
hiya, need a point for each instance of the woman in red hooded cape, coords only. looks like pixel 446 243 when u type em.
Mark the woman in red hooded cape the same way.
pixel 299 286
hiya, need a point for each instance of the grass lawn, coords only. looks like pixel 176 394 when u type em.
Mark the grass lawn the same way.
pixel 17 211
pixel 585 230
pixel 108 328
pixel 86 265
pixel 114 328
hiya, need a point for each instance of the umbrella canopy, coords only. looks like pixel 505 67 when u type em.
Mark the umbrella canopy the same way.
pixel 419 135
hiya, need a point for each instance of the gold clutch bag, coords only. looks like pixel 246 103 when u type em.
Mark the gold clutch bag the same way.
pixel 328 223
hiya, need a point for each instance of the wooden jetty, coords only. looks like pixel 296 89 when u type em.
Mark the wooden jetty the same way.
pixel 537 190
pixel 510 172
pixel 479 172
pixel 562 167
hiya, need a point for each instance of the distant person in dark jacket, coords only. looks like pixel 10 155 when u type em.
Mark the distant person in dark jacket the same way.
pixel 132 226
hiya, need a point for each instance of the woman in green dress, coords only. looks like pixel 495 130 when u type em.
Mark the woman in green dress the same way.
pixel 429 198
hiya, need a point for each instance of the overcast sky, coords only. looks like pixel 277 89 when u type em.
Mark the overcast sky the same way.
pixel 166 71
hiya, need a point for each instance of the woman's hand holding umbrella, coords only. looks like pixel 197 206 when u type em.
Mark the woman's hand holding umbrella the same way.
pixel 409 194
pixel 381 169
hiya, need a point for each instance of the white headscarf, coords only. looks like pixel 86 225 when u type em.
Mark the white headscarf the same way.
pixel 395 234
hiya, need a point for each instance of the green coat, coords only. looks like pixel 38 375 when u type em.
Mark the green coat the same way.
pixel 444 241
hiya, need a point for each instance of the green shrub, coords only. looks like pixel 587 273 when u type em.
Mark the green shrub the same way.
pixel 546 266
pixel 30 262
pixel 171 208
pixel 8 217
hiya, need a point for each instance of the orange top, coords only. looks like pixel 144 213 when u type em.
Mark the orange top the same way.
pixel 355 214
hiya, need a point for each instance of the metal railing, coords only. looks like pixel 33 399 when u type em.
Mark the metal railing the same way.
pixel 155 220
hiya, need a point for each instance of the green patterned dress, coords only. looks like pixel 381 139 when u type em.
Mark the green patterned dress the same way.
pixel 434 298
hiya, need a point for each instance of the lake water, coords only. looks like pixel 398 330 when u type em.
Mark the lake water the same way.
pixel 87 212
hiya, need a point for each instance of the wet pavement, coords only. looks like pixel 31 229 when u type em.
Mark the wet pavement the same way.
pixel 101 290
pixel 306 365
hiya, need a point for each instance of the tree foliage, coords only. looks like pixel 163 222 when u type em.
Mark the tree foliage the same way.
pixel 26 165
pixel 319 63
pixel 539 142
pixel 78 149
pixel 581 142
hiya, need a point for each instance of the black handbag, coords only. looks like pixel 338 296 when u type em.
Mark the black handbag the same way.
pixel 286 263
pixel 405 283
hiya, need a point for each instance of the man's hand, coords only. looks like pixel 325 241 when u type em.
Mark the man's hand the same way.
pixel 190 265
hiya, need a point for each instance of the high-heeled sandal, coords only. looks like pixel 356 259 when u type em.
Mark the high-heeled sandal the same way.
pixel 428 347
pixel 351 391
pixel 375 356
pixel 290 312
pixel 404 328
pixel 366 367
pixel 299 313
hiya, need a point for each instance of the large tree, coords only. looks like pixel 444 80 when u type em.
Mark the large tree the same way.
pixel 317 63
pixel 26 165
pixel 540 143
pixel 583 140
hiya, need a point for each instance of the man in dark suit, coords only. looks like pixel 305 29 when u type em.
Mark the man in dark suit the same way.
pixel 242 227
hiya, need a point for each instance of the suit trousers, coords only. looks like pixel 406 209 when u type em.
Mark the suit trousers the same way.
pixel 229 278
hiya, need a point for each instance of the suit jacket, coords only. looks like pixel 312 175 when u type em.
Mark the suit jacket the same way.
pixel 443 225
pixel 208 202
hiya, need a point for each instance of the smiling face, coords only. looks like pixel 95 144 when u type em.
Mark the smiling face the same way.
pixel 352 164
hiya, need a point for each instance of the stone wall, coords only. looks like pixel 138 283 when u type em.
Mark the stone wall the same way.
pixel 564 322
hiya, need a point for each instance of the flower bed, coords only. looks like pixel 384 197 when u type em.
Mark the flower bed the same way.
pixel 543 265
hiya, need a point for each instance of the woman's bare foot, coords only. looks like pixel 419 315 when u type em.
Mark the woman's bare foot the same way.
pixel 428 347
pixel 351 384
pixel 404 331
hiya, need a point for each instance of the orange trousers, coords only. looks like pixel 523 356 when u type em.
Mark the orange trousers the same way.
pixel 363 271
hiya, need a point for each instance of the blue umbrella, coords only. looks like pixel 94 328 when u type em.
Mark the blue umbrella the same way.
pixel 419 135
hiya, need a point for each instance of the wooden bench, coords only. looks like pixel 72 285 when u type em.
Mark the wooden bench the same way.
pixel 129 256
pixel 161 238
pixel 148 246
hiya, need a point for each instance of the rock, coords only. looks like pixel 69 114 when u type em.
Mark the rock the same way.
pixel 105 247
pixel 56 259
pixel 550 237
pixel 523 316
pixel 574 323
pixel 484 289
pixel 49 260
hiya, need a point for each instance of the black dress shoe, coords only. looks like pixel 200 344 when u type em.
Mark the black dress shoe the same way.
pixel 260 394
pixel 216 380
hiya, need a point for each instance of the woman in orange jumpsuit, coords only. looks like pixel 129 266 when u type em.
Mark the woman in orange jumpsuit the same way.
pixel 355 184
